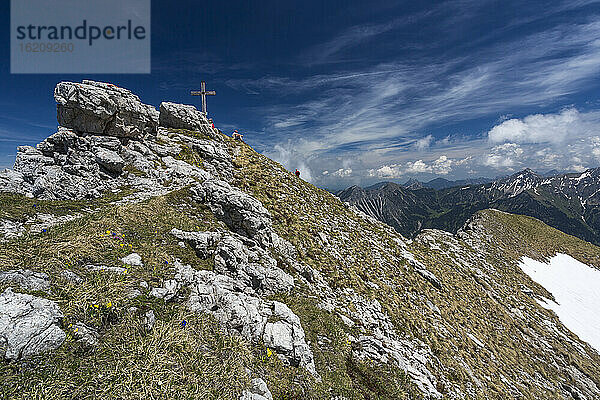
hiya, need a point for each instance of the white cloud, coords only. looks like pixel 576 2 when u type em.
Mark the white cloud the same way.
pixel 545 128
pixel 343 172
pixel 424 143
pixel 291 160
pixel 504 156
pixel 440 166
pixel 392 171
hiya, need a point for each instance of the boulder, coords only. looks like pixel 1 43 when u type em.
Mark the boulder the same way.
pixel 110 160
pixel 134 259
pixel 182 116
pixel 28 325
pixel 84 334
pixel 258 391
pixel 26 279
pixel 105 109
pixel 241 212
pixel 267 321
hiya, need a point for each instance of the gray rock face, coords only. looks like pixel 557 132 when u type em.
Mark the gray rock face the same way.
pixel 134 259
pixel 253 318
pixel 28 325
pixel 182 116
pixel 240 258
pixel 241 212
pixel 13 181
pixel 77 165
pixel 11 229
pixel 84 334
pixel 105 109
pixel 110 160
pixel 258 391
pixel 26 279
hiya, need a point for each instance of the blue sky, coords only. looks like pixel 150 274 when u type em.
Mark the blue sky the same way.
pixel 352 92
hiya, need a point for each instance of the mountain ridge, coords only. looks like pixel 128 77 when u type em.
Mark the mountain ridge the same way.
pixel 203 269
pixel 567 201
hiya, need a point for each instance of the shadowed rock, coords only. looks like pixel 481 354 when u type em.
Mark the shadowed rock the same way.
pixel 102 108
pixel 183 116
pixel 26 279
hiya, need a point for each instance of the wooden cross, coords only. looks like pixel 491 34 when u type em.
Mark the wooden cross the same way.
pixel 203 92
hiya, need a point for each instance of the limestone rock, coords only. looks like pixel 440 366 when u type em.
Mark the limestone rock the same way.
pixel 11 229
pixel 14 182
pixel 182 116
pixel 251 317
pixel 167 292
pixel 26 279
pixel 240 258
pixel 149 320
pixel 28 325
pixel 105 109
pixel 410 356
pixel 258 391
pixel 110 160
pixel 84 334
pixel 134 259
pixel 241 212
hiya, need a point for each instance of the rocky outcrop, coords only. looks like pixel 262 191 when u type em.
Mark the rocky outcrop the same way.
pixel 270 322
pixel 110 160
pixel 70 165
pixel 28 325
pixel 183 116
pixel 240 258
pixel 84 334
pixel 241 212
pixel 26 279
pixel 109 140
pixel 104 109
pixel 258 391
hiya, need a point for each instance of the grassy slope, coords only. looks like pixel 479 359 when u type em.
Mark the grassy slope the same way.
pixel 199 361
pixel 465 303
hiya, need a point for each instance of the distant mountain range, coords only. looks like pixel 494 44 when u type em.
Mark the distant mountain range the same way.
pixel 441 183
pixel 568 202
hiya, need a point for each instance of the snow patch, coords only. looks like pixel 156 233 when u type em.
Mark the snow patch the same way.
pixel 574 286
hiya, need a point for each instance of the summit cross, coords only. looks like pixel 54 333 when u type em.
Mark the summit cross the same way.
pixel 203 92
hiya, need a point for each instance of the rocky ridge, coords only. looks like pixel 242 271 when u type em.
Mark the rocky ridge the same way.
pixel 274 262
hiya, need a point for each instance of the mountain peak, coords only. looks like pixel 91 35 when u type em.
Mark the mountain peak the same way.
pixel 413 184
pixel 250 281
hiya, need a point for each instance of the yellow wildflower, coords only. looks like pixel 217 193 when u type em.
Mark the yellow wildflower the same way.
pixel 269 352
